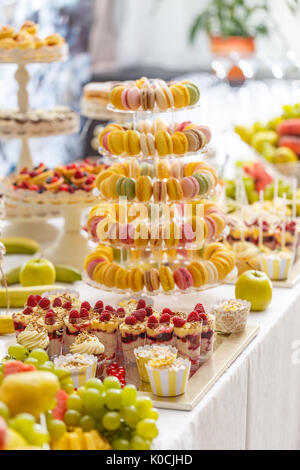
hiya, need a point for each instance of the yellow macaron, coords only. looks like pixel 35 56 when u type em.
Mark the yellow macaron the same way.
pixel 143 188
pixel 174 189
pixel 131 142
pixel 115 142
pixel 181 96
pixel 121 278
pixel 166 278
pixel 163 143
pixel 180 143
pixel 136 279
pixel 115 96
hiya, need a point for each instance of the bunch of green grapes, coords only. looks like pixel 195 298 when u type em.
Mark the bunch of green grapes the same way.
pixel 126 420
pixel 40 359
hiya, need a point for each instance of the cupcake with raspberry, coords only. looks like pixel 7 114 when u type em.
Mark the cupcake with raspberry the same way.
pixel 160 330
pixel 22 319
pixel 88 343
pixel 133 334
pixel 188 337
pixel 105 325
pixel 53 323
pixel 75 322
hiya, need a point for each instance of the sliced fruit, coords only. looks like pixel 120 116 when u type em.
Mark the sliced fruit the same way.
pixel 289 127
pixel 292 142
pixel 18 295
pixel 15 367
pixel 14 440
pixel 61 405
pixel 6 325
pixel 67 274
pixel 20 245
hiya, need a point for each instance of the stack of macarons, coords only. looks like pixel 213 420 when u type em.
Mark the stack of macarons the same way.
pixel 158 182
pixel 104 226
pixel 154 94
pixel 156 140
pixel 215 266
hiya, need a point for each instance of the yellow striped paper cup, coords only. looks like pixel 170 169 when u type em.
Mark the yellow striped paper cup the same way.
pixel 81 373
pixel 275 267
pixel 169 382
pixel 144 354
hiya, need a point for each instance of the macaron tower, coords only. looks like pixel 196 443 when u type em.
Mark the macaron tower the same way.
pixel 155 224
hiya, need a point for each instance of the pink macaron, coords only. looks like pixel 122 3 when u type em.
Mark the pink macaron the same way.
pixel 190 186
pixel 91 266
pixel 93 226
pixel 206 131
pixel 183 278
pixel 187 234
pixel 131 98
pixel 104 142
pixel 211 227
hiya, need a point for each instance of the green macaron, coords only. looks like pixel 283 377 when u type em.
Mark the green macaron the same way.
pixel 203 184
pixel 193 91
pixel 126 187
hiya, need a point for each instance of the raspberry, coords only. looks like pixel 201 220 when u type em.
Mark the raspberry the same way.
pixel 149 311
pixel 165 318
pixel 105 316
pixel 27 311
pixel 199 308
pixel 193 316
pixel 109 308
pixel 130 320
pixel 67 305
pixel 31 301
pixel 168 311
pixel 44 303
pixel 38 298
pixel 74 316
pixel 64 187
pixel 140 314
pixel 141 304
pixel 78 174
pixel 50 318
pixel 121 312
pixel 152 321
pixel 179 322
pixel 86 305
pixel 57 302
pixel 84 313
pixel 203 316
pixel 99 304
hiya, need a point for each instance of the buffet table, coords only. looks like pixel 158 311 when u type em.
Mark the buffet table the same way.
pixel 255 404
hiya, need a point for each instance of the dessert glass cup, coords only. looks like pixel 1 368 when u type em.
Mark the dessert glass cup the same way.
pixel 55 341
pixel 143 355
pixel 131 338
pixel 188 341
pixel 162 334
pixel 207 339
pixel 109 339
pixel 70 333
pixel 231 315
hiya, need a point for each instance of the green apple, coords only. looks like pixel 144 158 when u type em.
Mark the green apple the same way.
pixel 256 287
pixel 37 272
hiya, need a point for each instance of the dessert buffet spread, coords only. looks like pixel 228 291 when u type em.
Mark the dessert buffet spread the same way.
pixel 26 46
pixel 38 123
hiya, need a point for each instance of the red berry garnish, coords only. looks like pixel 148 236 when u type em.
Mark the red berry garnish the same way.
pixel 203 316
pixel 84 313
pixel 86 305
pixel 114 364
pixel 98 305
pixel 78 174
pixel 64 187
pixel 149 311
pixel 179 322
pixel 44 303
pixel 168 311
pixel 67 305
pixel 199 308
pixel 57 302
pixel 38 298
pixel 141 304
pixel 109 308
pixel 140 314
pixel 31 301
pixel 130 320
pixel 165 318
pixel 50 317
pixel 74 316
pixel 152 321
pixel 121 312
pixel 105 316
pixel 27 310
pixel 193 316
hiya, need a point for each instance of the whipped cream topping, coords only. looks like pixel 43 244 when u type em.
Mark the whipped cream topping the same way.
pixel 86 343
pixel 34 336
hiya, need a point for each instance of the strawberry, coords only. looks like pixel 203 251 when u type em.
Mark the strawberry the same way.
pixel 105 316
pixel 178 322
pixel 168 311
pixel 57 302
pixel 199 308
pixel 74 316
pixel 152 321
pixel 140 314
pixel 67 305
pixel 50 317
pixel 27 310
pixel 165 318
pixel 44 303
pixel 31 301
pixel 193 316
pixel 86 305
pixel 130 320
pixel 141 304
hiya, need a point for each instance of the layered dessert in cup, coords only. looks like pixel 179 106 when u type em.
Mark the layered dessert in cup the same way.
pixel 160 330
pixel 75 323
pixel 34 337
pixel 22 319
pixel 168 377
pixel 144 354
pixel 207 336
pixel 187 333
pixel 54 324
pixel 276 264
pixel 81 366
pixel 105 326
pixel 133 334
pixel 231 315
pixel 87 343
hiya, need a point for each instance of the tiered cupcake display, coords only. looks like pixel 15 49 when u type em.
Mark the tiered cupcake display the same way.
pixel 21 48
pixel 156 226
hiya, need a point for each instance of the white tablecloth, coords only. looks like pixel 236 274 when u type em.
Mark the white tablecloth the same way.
pixel 255 404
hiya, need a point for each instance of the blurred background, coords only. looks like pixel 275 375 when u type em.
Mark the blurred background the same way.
pixel 244 54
